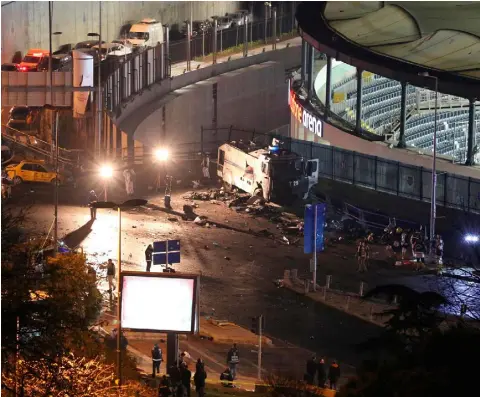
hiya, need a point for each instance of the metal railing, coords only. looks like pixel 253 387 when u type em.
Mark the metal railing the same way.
pixel 38 146
pixel 130 75
pixel 363 170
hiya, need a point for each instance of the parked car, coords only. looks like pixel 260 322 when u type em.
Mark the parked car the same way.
pixel 113 50
pixel 87 44
pixel 64 49
pixel 33 171
pixel 237 18
pixel 60 63
pixel 197 28
pixel 224 23
pixel 9 67
pixel 31 61
pixel 20 117
pixel 249 15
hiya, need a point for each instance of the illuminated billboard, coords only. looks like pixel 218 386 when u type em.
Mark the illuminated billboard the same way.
pixel 159 302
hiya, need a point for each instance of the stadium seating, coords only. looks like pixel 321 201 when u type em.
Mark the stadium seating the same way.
pixel 381 114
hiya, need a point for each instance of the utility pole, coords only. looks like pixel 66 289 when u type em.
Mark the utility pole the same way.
pixel 245 38
pixel 55 230
pixel 315 248
pixel 119 298
pixel 189 36
pixel 99 98
pixel 214 52
pixel 274 29
pixel 259 363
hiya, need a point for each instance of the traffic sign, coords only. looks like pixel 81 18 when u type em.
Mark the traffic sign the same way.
pixel 166 252
pixel 312 211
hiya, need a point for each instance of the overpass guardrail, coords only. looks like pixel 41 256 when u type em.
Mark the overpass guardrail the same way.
pixel 138 71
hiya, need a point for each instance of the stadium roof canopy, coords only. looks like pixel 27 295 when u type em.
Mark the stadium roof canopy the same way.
pixel 440 37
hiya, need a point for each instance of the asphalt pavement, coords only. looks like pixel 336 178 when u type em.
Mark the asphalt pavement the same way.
pixel 237 266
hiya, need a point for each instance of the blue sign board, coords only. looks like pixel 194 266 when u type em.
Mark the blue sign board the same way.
pixel 308 244
pixel 166 252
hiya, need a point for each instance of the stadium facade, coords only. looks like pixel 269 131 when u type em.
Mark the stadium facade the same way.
pixel 378 78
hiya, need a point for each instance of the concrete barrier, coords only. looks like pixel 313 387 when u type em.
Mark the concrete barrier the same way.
pixel 131 114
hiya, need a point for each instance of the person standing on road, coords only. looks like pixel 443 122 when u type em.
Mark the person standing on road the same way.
pixel 157 359
pixel 206 166
pixel 362 256
pixel 186 376
pixel 438 250
pixel 92 198
pixel 321 373
pixel 311 370
pixel 233 359
pixel 148 256
pixel 110 275
pixel 199 378
pixel 129 175
pixel 419 248
pixel 334 375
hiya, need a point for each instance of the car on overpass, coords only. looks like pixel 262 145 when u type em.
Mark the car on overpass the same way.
pixel 31 61
pixel 224 23
pixel 113 50
pixel 60 63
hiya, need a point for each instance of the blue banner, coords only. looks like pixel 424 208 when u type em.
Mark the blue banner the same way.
pixel 308 243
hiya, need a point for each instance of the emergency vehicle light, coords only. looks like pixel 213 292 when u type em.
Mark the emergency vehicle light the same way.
pixel 472 238
pixel 37 54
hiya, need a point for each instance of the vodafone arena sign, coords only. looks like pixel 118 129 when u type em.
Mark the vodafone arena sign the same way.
pixel 310 122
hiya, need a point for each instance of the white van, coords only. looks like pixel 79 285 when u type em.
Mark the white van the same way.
pixel 146 33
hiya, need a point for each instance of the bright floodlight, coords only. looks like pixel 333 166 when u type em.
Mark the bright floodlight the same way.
pixel 106 171
pixel 161 154
pixel 472 238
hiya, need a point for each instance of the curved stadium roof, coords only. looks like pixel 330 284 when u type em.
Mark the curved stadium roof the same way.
pixel 443 37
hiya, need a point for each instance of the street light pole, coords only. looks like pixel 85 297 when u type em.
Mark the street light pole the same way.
pixel 99 104
pixel 55 230
pixel 110 205
pixel 119 297
pixel 433 195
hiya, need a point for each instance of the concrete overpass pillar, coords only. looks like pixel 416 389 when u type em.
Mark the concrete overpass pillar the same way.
pixel 328 86
pixel 310 65
pixel 471 133
pixel 358 117
pixel 304 60
pixel 403 116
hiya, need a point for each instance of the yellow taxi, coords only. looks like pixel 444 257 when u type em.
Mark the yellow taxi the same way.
pixel 32 171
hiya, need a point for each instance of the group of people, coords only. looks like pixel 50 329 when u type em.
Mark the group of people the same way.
pixel 401 245
pixel 177 382
pixel 413 245
pixel 317 374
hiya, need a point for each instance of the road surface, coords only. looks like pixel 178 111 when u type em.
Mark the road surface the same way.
pixel 237 267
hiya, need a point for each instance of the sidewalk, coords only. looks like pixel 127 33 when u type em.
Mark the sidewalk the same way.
pixel 278 357
pixel 180 68
pixel 348 302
